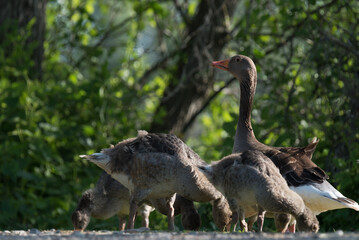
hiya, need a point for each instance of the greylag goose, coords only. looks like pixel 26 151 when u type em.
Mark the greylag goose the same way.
pixel 109 198
pixel 154 166
pixel 252 183
pixel 294 163
pixel 106 199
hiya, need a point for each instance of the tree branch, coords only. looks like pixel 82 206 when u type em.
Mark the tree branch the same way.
pixel 205 37
pixel 182 13
pixel 335 40
pixel 144 78
pixel 297 26
pixel 206 103
pixel 104 37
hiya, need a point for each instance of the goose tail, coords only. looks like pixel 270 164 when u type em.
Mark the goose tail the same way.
pixel 100 159
pixel 349 203
pixel 330 192
pixel 321 197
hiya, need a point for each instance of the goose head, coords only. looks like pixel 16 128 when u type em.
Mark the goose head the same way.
pixel 80 220
pixel 307 221
pixel 241 67
pixel 82 215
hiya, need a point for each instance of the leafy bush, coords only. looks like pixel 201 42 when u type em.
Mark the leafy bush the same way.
pixel 93 94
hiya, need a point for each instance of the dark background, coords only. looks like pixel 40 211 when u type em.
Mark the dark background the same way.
pixel 76 76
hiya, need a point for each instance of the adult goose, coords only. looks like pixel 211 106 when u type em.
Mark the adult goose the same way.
pixel 154 166
pixel 294 163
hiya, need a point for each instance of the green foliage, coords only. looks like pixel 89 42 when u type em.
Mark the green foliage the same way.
pixel 306 86
pixel 307 69
pixel 93 94
pixel 46 125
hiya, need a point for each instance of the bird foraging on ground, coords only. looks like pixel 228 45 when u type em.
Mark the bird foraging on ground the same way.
pixel 154 166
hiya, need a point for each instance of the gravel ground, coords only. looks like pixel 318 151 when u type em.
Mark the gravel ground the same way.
pixel 155 235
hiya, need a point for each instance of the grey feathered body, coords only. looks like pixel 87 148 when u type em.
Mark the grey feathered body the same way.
pixel 106 199
pixel 159 165
pixel 109 198
pixel 249 179
pixel 156 166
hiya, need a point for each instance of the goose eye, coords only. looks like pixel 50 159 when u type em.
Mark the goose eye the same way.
pixel 237 59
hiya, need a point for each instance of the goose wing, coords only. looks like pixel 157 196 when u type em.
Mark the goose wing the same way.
pixel 164 143
pixel 296 167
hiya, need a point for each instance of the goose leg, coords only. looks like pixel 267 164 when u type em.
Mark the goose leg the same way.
pixel 291 228
pixel 235 212
pixel 235 218
pixel 260 220
pixel 122 220
pixel 145 214
pixel 145 222
pixel 242 221
pixel 136 198
pixel 132 215
pixel 171 212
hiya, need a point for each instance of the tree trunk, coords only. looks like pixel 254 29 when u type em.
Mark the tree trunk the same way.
pixel 193 81
pixel 20 12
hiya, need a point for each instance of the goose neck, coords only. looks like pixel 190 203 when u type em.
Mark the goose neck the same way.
pixel 245 138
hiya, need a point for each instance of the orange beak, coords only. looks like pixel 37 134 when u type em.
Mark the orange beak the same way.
pixel 221 64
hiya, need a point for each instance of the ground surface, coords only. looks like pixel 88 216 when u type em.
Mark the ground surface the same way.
pixel 154 235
